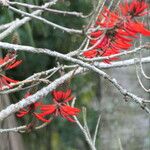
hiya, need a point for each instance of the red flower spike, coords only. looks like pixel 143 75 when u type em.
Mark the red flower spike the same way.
pixel 120 30
pixel 60 106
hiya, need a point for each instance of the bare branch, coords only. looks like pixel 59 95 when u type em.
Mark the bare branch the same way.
pixel 123 63
pixel 7 25
pixel 68 30
pixel 55 11
pixel 96 129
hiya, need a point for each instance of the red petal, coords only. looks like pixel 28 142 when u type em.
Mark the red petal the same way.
pixel 37 104
pixel 57 95
pixel 66 94
pixel 4 82
pixel 22 113
pixel 47 111
pixel 9 79
pixel 70 110
pixel 90 53
pixel 17 63
pixel 96 33
pixel 66 116
pixel 41 118
pixel 47 107
pixel 123 38
pixel 68 99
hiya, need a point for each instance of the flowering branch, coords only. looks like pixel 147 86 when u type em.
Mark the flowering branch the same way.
pixel 43 92
pixel 108 33
pixel 81 63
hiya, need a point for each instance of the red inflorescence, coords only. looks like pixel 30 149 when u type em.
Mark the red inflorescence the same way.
pixel 7 63
pixel 116 31
pixel 60 107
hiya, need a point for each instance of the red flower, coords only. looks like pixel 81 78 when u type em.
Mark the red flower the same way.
pixel 31 110
pixel 108 41
pixel 134 9
pixel 111 43
pixel 5 81
pixel 60 106
pixel 115 32
pixel 8 62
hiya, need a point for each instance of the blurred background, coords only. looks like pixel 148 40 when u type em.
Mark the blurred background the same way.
pixel 124 125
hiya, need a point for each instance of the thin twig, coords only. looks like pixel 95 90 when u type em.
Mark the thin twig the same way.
pixel 55 11
pixel 96 129
pixel 54 25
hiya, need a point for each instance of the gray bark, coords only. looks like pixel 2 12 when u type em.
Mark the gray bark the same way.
pixel 9 141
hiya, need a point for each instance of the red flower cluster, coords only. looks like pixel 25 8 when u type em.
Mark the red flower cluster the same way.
pixel 60 107
pixel 116 30
pixel 6 63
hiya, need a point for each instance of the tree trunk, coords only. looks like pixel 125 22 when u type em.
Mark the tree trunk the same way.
pixel 9 141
